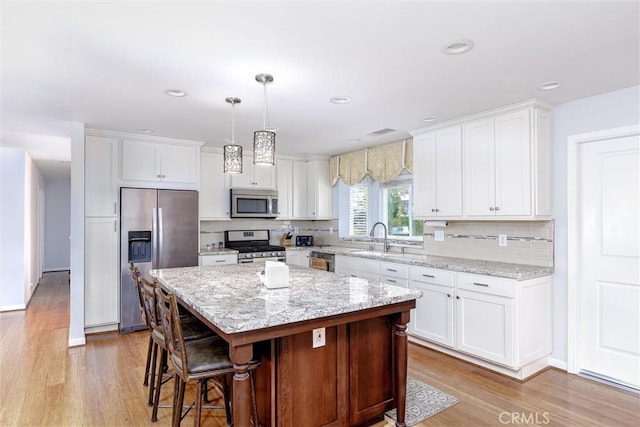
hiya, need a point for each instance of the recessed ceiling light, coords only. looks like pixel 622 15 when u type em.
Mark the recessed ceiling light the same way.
pixel 429 119
pixel 146 130
pixel 550 85
pixel 340 100
pixel 176 92
pixel 457 47
pixel 353 140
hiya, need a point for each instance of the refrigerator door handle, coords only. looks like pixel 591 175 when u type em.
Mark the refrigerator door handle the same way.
pixel 160 239
pixel 154 237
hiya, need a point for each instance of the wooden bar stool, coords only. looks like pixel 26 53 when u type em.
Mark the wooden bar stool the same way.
pixel 200 360
pixel 193 329
pixel 135 275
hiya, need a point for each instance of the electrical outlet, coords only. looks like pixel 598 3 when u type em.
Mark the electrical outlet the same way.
pixel 296 230
pixel 502 240
pixel 330 230
pixel 438 235
pixel 318 337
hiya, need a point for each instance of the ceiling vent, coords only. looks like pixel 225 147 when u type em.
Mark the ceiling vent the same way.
pixel 381 132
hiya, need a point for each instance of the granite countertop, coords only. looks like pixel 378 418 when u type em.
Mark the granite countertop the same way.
pixel 223 251
pixel 488 268
pixel 233 298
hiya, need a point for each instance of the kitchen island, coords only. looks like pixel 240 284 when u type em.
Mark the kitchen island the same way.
pixel 358 373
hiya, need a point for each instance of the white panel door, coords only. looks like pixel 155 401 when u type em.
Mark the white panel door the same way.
pixel 449 172
pixel 609 277
pixel 101 170
pixel 140 161
pixel 101 297
pixel 179 163
pixel 432 318
pixel 479 168
pixel 484 326
pixel 424 176
pixel 300 189
pixel 513 164
pixel 214 187
pixel 284 180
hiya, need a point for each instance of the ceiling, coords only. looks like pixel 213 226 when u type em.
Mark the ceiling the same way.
pixel 107 64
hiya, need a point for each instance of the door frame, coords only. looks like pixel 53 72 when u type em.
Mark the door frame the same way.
pixel 574 293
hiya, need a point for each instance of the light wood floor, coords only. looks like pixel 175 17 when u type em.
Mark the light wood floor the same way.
pixel 43 382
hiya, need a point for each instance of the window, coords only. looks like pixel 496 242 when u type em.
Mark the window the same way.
pixel 365 203
pixel 358 209
pixel 397 204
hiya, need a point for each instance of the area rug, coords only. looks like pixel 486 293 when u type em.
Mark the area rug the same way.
pixel 423 401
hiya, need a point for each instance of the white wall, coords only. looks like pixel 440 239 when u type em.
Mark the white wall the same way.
pixel 76 293
pixel 57 247
pixel 606 111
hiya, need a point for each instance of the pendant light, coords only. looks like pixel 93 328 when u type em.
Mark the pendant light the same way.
pixel 233 151
pixel 264 141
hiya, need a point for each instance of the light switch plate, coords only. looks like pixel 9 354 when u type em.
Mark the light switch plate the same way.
pixel 438 235
pixel 502 240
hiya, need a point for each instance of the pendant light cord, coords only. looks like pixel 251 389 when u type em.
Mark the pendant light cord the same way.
pixel 233 122
pixel 265 116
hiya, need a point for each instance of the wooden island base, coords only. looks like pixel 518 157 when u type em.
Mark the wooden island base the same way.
pixel 350 381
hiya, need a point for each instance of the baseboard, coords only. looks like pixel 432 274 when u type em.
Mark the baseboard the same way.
pixel 522 374
pixel 101 328
pixel 13 307
pixel 54 269
pixel 74 342
pixel 559 364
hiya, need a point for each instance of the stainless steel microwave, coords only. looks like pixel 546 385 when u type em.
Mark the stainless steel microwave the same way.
pixel 253 203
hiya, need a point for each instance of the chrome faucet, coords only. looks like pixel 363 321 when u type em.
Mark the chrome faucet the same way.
pixel 386 243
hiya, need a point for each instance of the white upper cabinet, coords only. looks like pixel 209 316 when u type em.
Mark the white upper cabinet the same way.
pixel 254 176
pixel 214 187
pixel 498 178
pixel 284 184
pixel 160 162
pixel 312 197
pixel 505 160
pixel 101 176
pixel 319 196
pixel 437 177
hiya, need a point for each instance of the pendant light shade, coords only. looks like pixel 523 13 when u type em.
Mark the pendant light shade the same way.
pixel 264 141
pixel 233 152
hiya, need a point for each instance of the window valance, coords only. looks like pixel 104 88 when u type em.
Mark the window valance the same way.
pixel 383 163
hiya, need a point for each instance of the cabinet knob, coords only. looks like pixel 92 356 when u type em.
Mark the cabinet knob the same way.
pixel 437 210
pixel 497 208
pixel 159 176
pixel 433 210
pixel 491 208
pixel 457 297
pixel 448 295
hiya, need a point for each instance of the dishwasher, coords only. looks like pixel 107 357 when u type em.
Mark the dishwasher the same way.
pixel 322 261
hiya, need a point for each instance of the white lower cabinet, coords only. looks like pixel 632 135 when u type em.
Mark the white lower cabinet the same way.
pixel 298 257
pixel 484 326
pixel 358 267
pixel 433 316
pixel 497 322
pixel 394 274
pixel 101 295
pixel 220 259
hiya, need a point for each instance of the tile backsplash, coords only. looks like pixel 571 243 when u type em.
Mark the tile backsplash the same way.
pixel 528 242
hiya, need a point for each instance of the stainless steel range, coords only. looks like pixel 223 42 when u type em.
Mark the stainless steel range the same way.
pixel 253 246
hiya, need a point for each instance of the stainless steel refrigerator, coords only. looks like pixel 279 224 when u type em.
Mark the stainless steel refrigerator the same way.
pixel 158 229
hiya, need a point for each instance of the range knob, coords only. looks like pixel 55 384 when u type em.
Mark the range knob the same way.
pixel 249 255
pixel 274 254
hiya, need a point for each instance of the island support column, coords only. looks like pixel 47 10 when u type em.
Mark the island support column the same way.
pixel 401 358
pixel 241 356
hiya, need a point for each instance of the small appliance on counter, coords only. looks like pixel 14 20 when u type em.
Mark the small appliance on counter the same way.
pixel 304 240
